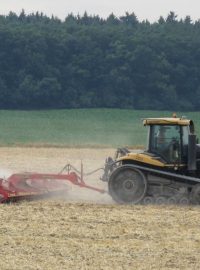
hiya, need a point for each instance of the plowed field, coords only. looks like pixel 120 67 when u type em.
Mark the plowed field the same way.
pixel 87 230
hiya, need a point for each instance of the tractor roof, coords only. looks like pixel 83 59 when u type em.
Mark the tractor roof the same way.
pixel 167 121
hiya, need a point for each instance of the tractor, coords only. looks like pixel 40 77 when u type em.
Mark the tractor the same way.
pixel 167 171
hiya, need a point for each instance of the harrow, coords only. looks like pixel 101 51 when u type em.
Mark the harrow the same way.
pixel 28 185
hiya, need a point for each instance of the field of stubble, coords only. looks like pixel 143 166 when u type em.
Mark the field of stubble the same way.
pixel 87 230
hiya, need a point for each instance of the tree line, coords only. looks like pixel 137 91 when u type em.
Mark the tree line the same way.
pixel 88 62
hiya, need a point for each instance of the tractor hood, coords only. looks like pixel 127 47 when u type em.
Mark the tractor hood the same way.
pixel 143 157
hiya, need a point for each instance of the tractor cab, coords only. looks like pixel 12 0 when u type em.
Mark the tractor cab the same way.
pixel 168 138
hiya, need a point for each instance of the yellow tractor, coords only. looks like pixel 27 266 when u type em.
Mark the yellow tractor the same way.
pixel 167 171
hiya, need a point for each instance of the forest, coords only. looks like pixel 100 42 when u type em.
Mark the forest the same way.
pixel 86 61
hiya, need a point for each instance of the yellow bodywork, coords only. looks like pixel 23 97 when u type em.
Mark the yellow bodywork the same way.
pixel 167 121
pixel 141 157
pixel 148 160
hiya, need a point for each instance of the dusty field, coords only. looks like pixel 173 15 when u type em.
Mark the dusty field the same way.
pixel 83 233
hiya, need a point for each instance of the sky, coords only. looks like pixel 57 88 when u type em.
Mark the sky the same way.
pixel 143 9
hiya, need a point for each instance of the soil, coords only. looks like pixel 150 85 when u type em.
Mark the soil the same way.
pixel 87 230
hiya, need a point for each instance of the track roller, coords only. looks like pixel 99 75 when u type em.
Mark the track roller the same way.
pixel 160 200
pixel 148 200
pixel 172 200
pixel 184 201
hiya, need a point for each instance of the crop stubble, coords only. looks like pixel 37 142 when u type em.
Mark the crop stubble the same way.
pixel 82 233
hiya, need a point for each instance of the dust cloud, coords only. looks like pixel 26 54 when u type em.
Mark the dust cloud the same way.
pixel 5 173
pixel 82 195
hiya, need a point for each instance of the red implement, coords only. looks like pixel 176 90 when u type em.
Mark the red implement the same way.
pixel 28 185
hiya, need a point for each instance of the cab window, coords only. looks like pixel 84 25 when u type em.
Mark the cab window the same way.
pixel 165 142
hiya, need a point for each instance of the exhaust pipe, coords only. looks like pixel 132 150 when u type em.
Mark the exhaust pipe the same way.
pixel 192 166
